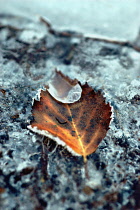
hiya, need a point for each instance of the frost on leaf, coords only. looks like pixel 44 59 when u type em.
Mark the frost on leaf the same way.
pixel 80 125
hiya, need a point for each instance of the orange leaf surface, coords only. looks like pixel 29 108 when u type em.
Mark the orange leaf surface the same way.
pixel 80 125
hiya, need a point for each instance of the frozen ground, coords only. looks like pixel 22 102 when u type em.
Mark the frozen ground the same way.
pixel 36 178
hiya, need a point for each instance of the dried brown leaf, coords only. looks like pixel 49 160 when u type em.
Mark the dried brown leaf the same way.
pixel 80 125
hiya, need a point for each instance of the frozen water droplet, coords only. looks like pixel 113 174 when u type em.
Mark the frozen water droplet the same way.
pixel 63 90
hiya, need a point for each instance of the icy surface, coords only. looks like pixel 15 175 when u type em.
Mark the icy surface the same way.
pixel 34 176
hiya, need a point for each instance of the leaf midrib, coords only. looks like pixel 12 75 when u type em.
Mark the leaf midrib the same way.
pixel 77 133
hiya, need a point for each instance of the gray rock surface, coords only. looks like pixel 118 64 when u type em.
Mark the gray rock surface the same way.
pixel 35 176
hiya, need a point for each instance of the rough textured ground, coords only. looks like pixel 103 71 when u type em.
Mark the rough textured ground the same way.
pixel 33 176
